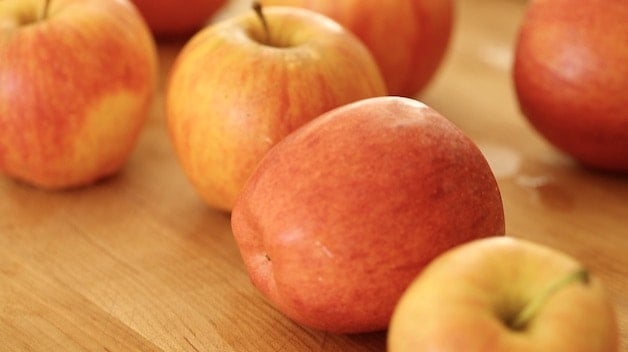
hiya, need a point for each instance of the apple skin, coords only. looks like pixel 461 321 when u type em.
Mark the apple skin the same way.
pixel 462 300
pixel 230 98
pixel 341 215
pixel 75 89
pixel 408 38
pixel 571 78
pixel 174 18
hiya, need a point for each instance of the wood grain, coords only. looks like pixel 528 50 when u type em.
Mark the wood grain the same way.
pixel 139 263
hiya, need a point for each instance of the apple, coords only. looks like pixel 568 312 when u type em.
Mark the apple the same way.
pixel 242 84
pixel 504 294
pixel 341 215
pixel 174 18
pixel 77 78
pixel 408 38
pixel 571 78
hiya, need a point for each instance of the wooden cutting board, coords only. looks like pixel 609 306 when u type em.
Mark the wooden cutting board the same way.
pixel 139 263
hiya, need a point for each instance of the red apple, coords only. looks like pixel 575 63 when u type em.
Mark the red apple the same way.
pixel 408 38
pixel 236 89
pixel 341 215
pixel 504 295
pixel 172 18
pixel 76 82
pixel 571 78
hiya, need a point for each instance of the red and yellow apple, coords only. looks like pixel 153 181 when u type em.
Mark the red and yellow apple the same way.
pixel 76 82
pixel 173 18
pixel 504 295
pixel 341 215
pixel 571 78
pixel 238 87
pixel 408 38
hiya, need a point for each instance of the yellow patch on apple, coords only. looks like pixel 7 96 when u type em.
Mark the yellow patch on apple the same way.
pixel 102 134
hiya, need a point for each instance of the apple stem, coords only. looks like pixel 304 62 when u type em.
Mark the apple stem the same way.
pixel 257 7
pixel 528 313
pixel 44 13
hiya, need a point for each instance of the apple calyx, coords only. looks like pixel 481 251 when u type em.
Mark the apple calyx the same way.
pixel 257 7
pixel 527 314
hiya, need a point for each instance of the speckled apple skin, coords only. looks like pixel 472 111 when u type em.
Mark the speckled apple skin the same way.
pixel 230 97
pixel 340 216
pixel 571 78
pixel 465 299
pixel 75 89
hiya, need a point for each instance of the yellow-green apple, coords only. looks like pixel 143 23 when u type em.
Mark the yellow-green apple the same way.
pixel 76 81
pixel 408 38
pixel 571 78
pixel 341 215
pixel 504 294
pixel 244 83
pixel 174 18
